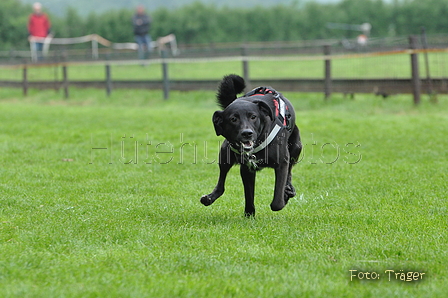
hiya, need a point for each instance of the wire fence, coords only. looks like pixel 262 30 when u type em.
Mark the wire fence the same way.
pixel 86 52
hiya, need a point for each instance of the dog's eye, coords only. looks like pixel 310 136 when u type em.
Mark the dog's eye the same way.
pixel 253 117
pixel 233 119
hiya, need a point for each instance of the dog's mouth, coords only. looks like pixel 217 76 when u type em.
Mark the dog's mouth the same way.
pixel 247 145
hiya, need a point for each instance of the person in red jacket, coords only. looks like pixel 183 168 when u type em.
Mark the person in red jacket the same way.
pixel 38 27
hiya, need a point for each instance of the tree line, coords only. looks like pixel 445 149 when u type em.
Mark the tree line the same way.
pixel 205 23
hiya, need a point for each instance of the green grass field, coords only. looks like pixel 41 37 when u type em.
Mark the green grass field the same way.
pixel 126 221
pixel 391 66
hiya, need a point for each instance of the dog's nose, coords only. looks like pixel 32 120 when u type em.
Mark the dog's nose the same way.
pixel 247 133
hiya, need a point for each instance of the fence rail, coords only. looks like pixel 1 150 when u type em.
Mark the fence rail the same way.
pixel 383 87
pixel 326 85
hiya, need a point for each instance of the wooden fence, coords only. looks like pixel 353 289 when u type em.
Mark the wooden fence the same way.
pixel 327 85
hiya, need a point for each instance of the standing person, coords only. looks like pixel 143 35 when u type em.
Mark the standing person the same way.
pixel 142 22
pixel 38 28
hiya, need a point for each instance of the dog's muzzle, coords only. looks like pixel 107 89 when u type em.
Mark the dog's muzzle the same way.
pixel 247 146
pixel 247 142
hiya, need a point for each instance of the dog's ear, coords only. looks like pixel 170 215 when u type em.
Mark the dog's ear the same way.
pixel 265 109
pixel 217 122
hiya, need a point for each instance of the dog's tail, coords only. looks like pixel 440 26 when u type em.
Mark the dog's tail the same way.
pixel 230 86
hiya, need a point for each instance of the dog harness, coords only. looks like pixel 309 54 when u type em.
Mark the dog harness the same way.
pixel 249 158
pixel 280 106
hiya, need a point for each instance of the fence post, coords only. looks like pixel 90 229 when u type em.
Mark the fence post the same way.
pixel 65 80
pixel 25 79
pixel 431 93
pixel 246 68
pixel 327 53
pixel 416 84
pixel 108 80
pixel 166 80
pixel 95 49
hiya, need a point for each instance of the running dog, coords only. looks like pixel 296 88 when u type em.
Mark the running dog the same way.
pixel 260 131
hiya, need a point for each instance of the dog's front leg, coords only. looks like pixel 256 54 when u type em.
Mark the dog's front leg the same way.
pixel 281 176
pixel 248 178
pixel 226 161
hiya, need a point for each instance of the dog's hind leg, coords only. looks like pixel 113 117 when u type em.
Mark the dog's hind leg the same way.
pixel 226 161
pixel 290 191
pixel 248 178
pixel 295 148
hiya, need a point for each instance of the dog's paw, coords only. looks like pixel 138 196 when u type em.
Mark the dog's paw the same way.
pixel 290 192
pixel 206 200
pixel 277 206
pixel 250 214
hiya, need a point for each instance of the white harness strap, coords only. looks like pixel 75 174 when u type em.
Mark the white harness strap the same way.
pixel 282 107
pixel 268 140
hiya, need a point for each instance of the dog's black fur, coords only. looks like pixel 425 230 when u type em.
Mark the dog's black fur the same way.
pixel 246 122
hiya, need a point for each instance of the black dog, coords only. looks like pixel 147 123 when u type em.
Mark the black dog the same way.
pixel 260 132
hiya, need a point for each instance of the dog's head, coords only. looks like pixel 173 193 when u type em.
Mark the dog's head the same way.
pixel 242 122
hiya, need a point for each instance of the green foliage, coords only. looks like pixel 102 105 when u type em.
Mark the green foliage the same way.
pixel 209 23
pixel 430 13
pixel 116 25
pixel 13 24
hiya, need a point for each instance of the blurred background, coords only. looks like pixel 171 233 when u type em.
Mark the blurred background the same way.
pixel 217 28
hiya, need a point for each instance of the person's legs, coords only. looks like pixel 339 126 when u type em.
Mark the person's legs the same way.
pixel 39 47
pixel 148 41
pixel 140 40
